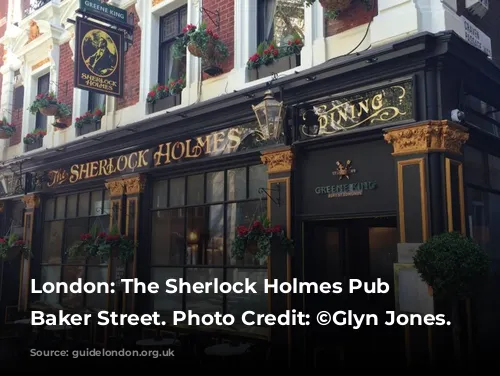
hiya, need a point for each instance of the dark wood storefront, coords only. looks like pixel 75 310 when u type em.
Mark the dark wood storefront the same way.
pixel 389 172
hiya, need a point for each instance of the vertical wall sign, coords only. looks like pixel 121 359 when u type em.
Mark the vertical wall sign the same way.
pixel 99 60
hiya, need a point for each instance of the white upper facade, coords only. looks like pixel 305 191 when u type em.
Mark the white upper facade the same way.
pixel 24 63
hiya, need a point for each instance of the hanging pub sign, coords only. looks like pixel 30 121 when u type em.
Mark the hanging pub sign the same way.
pixel 99 60
pixel 101 10
pixel 378 106
pixel 226 141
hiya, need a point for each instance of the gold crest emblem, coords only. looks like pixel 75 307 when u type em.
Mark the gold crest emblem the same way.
pixel 344 170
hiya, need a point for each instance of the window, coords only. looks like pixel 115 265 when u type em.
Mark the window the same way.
pixel 16 220
pixel 171 26
pixel 19 98
pixel 66 217
pixel 279 20
pixel 43 87
pixel 96 101
pixel 194 220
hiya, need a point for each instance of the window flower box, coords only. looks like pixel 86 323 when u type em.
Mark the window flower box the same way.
pixel 271 59
pixel 36 144
pixel 164 103
pixel 89 122
pixel 90 127
pixel 163 97
pixel 279 65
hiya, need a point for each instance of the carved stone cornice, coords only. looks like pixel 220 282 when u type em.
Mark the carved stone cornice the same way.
pixel 31 201
pixel 278 160
pixel 134 185
pixel 116 187
pixel 432 136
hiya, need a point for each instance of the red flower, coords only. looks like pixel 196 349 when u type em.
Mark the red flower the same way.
pixel 19 242
pixel 257 225
pixel 2 240
pixel 98 112
pixel 242 230
pixel 84 237
pixel 276 229
pixel 101 235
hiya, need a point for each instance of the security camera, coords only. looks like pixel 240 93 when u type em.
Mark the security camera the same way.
pixel 457 115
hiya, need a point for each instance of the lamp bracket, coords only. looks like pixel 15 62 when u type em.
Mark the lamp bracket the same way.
pixel 266 191
pixel 213 16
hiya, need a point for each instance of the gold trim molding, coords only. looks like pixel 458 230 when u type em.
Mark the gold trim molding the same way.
pixel 432 136
pixel 134 185
pixel 278 160
pixel 31 201
pixel 156 2
pixel 116 187
pixel 40 63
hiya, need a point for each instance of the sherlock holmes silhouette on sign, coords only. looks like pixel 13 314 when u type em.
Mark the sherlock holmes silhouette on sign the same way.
pixel 99 62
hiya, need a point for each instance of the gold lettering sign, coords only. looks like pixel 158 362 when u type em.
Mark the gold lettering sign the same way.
pixel 394 103
pixel 218 143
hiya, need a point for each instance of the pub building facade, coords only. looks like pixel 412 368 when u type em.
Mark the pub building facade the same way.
pixel 366 157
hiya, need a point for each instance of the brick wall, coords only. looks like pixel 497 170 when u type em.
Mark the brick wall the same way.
pixel 17 121
pixel 132 68
pixel 356 15
pixel 226 29
pixel 488 24
pixel 65 75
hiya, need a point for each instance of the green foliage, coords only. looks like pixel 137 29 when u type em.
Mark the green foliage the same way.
pixel 103 245
pixel 260 234
pixel 8 128
pixel 13 243
pixel 453 265
pixel 63 110
pixel 42 100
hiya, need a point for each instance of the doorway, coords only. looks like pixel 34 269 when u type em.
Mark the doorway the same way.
pixel 341 250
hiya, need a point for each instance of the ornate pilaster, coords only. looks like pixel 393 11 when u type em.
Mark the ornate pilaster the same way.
pixel 279 163
pixel 32 203
pixel 434 136
pixel 423 152
pixel 134 187
pixel 278 160
pixel 116 191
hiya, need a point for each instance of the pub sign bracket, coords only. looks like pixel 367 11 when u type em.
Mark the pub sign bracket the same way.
pixel 266 191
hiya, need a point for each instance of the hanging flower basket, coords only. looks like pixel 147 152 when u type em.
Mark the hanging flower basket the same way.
pixel 256 240
pixel 103 245
pixel 12 247
pixel 6 129
pixel 335 5
pixel 62 123
pixel 50 110
pixel 195 50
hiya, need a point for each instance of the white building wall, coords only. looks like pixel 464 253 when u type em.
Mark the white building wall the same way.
pixel 396 19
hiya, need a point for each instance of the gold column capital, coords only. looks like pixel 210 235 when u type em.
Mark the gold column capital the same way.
pixel 431 136
pixel 116 187
pixel 31 201
pixel 134 185
pixel 278 160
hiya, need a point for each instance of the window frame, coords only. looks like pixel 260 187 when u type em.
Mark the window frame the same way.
pixel 225 266
pixel 64 262
pixel 41 121
pixel 165 44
